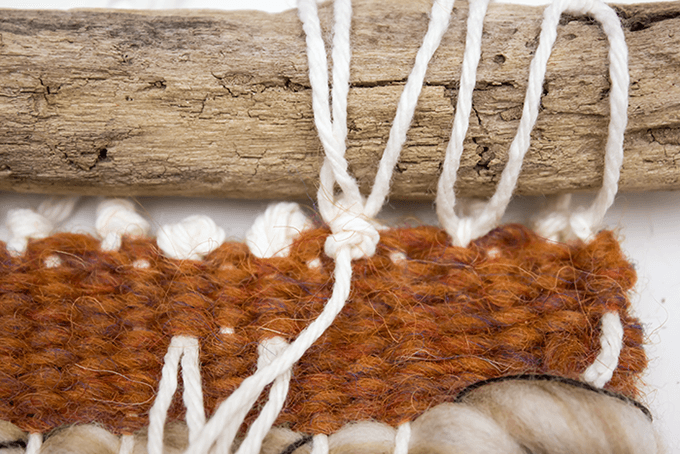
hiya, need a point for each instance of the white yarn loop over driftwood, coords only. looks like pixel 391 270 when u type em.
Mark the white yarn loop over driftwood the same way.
pixel 581 223
pixel 354 234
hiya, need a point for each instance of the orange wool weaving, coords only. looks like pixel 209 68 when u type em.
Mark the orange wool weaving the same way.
pixel 84 341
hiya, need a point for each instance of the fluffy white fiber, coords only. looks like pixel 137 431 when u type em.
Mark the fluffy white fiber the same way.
pixel 505 417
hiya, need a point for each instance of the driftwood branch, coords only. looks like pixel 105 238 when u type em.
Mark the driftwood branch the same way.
pixel 219 104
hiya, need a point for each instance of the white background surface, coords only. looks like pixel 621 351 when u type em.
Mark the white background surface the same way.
pixel 649 225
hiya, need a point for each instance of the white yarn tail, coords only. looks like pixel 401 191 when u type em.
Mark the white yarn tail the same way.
pixel 268 350
pixel 320 444
pixel 34 444
pixel 186 348
pixel 402 438
pixel 127 444
pixel 230 414
pixel 601 371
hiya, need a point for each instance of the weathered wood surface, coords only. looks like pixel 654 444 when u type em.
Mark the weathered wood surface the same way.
pixel 218 103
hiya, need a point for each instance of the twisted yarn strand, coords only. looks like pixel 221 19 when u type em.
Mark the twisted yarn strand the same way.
pixel 318 77
pixel 166 390
pixel 320 444
pixel 440 17
pixel 34 444
pixel 446 196
pixel 463 231
pixel 231 412
pixel 341 69
pixel 268 349
pixel 186 349
pixel 193 389
pixel 618 102
pixel 127 444
pixel 601 371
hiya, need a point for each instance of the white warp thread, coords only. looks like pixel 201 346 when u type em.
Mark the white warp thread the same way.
pixel 402 438
pixel 354 234
pixel 439 24
pixel 193 390
pixel 267 350
pixel 224 424
pixel 601 371
pixel 116 218
pixel 320 444
pixel 553 221
pixel 34 444
pixel 180 347
pixel 581 223
pixel 464 230
pixel 191 239
pixel 460 229
pixel 275 230
pixel 127 444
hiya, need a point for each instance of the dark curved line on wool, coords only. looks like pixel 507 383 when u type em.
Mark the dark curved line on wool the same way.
pixel 290 449
pixel 13 444
pixel 542 377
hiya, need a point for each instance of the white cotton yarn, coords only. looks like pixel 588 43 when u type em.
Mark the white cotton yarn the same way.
pixel 275 230
pixel 186 349
pixel 267 350
pixel 601 371
pixel 117 218
pixel 24 224
pixel 127 444
pixel 402 438
pixel 351 229
pixel 581 222
pixel 34 444
pixel 191 239
pixel 320 444
pixel 354 233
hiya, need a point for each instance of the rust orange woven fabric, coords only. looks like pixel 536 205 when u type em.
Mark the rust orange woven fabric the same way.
pixel 84 341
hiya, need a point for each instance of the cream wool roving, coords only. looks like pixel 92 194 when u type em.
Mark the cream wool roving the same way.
pixel 348 335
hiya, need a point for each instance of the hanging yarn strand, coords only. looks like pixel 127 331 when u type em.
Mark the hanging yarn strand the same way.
pixel 446 196
pixel 464 230
pixel 440 17
pixel 353 233
pixel 490 297
pixel 229 415
pixel 583 224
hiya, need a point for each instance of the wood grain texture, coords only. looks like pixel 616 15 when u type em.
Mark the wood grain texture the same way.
pixel 218 103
